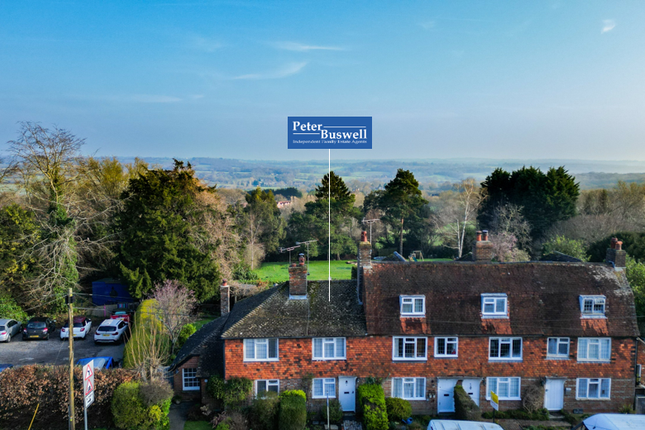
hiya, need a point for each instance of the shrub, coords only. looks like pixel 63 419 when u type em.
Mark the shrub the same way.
pixel 230 420
pixel 264 412
pixel 186 331
pixel 155 392
pixel 465 408
pixel 371 400
pixel 130 411
pixel 335 412
pixel 293 410
pixel 10 309
pixel 533 398
pixel 231 392
pixel 397 409
pixel 626 409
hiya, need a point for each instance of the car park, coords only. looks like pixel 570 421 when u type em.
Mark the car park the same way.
pixel 112 330
pixel 39 328
pixel 100 363
pixel 8 329
pixel 82 326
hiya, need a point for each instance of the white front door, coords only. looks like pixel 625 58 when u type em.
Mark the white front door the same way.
pixel 445 394
pixel 554 394
pixel 472 388
pixel 347 393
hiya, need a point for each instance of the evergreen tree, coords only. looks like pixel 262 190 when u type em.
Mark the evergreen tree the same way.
pixel 159 241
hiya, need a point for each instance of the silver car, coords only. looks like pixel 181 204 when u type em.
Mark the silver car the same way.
pixel 8 329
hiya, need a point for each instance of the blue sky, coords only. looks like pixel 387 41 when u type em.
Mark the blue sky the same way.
pixel 441 79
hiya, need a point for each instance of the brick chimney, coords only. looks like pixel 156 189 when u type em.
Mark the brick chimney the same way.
pixel 225 298
pixel 364 262
pixel 298 279
pixel 616 254
pixel 482 249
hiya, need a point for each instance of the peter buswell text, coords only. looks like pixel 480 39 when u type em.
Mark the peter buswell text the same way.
pixel 330 132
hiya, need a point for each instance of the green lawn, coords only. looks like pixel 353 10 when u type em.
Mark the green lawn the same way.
pixel 197 425
pixel 199 323
pixel 319 270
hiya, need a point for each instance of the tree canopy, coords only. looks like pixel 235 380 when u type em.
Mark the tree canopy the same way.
pixel 158 241
pixel 544 198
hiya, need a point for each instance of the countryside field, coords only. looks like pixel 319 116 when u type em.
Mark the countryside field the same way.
pixel 318 270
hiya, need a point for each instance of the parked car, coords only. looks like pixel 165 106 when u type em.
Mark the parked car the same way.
pixel 39 328
pixel 100 363
pixel 111 330
pixel 122 314
pixel 612 422
pixel 461 425
pixel 8 329
pixel 82 326
pixel 5 366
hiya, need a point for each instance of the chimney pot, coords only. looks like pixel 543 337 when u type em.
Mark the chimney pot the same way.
pixel 619 245
pixel 485 235
pixel 612 242
pixel 363 236
pixel 479 235
pixel 301 259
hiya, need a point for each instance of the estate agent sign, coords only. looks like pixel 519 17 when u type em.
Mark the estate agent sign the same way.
pixel 329 132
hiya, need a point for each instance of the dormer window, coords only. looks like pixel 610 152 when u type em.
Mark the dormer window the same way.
pixel 494 305
pixel 413 306
pixel 592 306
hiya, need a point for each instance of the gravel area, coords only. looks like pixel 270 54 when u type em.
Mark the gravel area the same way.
pixel 54 351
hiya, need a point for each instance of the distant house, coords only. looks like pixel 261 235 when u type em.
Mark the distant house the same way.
pixel 283 204
pixel 567 327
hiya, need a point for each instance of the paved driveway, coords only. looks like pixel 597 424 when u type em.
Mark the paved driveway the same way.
pixel 20 352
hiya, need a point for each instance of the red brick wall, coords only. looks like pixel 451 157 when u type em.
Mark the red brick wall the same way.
pixel 192 363
pixel 372 356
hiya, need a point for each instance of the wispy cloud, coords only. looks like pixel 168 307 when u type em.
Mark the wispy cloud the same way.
pixel 203 43
pixel 288 70
pixel 130 98
pixel 607 25
pixel 428 25
pixel 301 47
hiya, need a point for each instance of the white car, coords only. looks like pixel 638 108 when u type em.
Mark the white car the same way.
pixel 111 330
pixel 462 425
pixel 8 329
pixel 82 326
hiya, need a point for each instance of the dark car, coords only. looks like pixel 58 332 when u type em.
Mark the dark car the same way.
pixel 39 328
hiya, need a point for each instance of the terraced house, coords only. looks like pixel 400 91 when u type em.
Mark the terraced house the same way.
pixel 569 327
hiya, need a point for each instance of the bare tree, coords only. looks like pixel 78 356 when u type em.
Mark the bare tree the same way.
pixel 508 220
pixel 456 211
pixel 174 305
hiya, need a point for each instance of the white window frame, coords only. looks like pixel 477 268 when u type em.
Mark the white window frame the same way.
pixel 418 392
pixel 409 340
pixel 504 340
pixel 325 382
pixel 447 340
pixel 492 299
pixel 503 380
pixel 412 300
pixel 594 301
pixel 587 382
pixel 255 342
pixel 334 341
pixel 269 383
pixel 558 342
pixel 189 378
pixel 585 344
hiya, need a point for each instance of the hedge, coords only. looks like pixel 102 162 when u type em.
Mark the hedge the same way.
pixel 465 408
pixel 398 409
pixel 264 412
pixel 130 412
pixel 371 400
pixel 293 410
pixel 23 388
pixel 231 392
